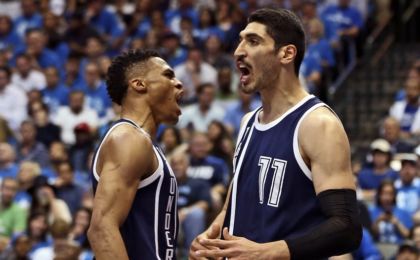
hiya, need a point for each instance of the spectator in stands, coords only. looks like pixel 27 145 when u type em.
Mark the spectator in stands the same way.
pixel 106 23
pixel 193 201
pixel 25 76
pixel 80 151
pixel 415 235
pixel 12 217
pixel 46 131
pixel 390 223
pixel 199 116
pixel 6 134
pixel 369 178
pixel 29 148
pixel 13 100
pixel 367 248
pixel 172 50
pixel 55 38
pixel 80 225
pixel 19 249
pixel 58 153
pixel 318 46
pixel 209 168
pixel 234 113
pixel 37 230
pixel 27 172
pixel 44 199
pixel 29 19
pixel 214 54
pixel 55 94
pixel 94 51
pixel 68 117
pixel 188 37
pixel 222 145
pixel 407 251
pixel 66 188
pixel 8 166
pixel 207 25
pixel 41 57
pixel 173 17
pixel 310 73
pixel 194 72
pixel 407 111
pixel 72 75
pixel 391 131
pixel 341 20
pixel 408 184
pixel 9 39
pixel 227 80
pixel 61 247
pixel 78 32
pixel 170 141
pixel 96 94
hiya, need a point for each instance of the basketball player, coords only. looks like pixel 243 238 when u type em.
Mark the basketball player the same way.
pixel 293 194
pixel 134 210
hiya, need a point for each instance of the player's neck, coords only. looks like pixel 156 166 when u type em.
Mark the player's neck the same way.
pixel 142 117
pixel 278 100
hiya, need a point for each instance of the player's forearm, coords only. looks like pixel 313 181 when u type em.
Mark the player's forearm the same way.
pixel 106 242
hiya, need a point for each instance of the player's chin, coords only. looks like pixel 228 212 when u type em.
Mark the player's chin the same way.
pixel 173 120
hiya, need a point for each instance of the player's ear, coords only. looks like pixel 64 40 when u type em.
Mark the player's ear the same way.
pixel 287 53
pixel 138 85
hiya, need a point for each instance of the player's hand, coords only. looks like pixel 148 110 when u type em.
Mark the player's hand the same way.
pixel 212 233
pixel 233 247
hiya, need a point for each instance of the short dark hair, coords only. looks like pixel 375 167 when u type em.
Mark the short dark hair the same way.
pixel 284 27
pixel 7 70
pixel 116 78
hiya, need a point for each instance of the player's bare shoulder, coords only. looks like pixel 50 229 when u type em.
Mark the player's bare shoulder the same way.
pixel 322 131
pixel 127 145
pixel 321 119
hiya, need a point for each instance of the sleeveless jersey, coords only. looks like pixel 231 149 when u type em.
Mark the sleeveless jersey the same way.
pixel 273 197
pixel 151 227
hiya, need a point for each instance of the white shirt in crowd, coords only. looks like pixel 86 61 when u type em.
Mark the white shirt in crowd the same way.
pixel 13 102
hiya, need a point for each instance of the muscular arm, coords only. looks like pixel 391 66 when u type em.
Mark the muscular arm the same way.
pixel 125 158
pixel 325 148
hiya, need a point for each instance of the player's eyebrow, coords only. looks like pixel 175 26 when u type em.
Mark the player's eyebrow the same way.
pixel 169 73
pixel 249 35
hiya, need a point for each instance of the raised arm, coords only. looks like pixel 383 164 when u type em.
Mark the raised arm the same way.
pixel 125 158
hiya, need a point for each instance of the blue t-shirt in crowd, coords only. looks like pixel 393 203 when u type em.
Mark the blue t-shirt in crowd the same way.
pixel 367 249
pixel 56 97
pixel 388 232
pixel 107 22
pixel 10 41
pixel 408 117
pixel 336 19
pixel 23 23
pixel 211 169
pixel 97 98
pixel 173 18
pixel 9 171
pixel 191 191
pixel 321 50
pixel 408 196
pixel 369 180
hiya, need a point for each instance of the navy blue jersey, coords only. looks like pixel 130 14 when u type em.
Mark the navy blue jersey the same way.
pixel 151 227
pixel 273 197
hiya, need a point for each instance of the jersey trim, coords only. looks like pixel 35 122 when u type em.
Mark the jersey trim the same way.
pixel 264 127
pixel 298 156
pixel 157 196
pixel 143 183
pixel 237 170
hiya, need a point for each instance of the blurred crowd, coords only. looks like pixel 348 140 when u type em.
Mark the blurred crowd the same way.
pixel 54 109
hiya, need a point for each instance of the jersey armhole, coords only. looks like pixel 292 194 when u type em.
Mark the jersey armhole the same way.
pixel 298 156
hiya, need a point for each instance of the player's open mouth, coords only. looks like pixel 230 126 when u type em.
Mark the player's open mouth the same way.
pixel 245 72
